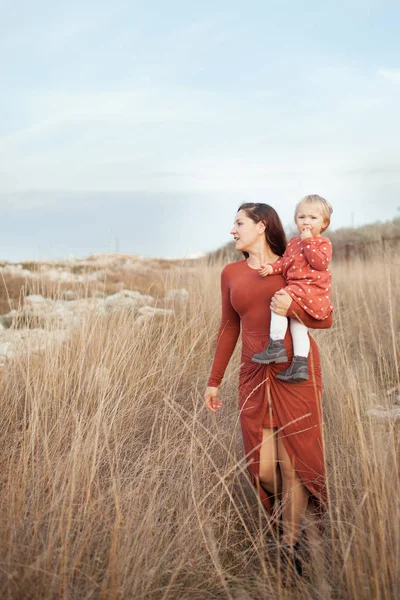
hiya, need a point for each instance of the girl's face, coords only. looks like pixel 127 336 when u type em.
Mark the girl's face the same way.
pixel 309 217
pixel 245 232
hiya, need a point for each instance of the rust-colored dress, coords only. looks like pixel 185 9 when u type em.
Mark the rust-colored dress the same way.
pixel 264 401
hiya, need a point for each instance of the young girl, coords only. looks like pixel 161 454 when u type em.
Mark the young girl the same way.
pixel 305 268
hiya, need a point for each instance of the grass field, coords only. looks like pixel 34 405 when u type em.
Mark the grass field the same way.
pixel 116 482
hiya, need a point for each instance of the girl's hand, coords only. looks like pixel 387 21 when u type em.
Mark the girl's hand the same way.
pixel 280 303
pixel 306 233
pixel 265 270
pixel 211 399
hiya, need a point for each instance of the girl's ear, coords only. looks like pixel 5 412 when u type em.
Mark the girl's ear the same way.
pixel 261 228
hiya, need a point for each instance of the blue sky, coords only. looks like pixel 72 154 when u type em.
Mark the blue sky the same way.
pixel 142 125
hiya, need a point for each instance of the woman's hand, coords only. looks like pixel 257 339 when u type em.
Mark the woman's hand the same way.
pixel 211 399
pixel 280 303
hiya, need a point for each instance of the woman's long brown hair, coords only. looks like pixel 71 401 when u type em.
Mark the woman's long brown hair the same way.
pixel 274 233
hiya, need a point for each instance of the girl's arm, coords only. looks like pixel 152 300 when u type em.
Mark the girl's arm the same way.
pixel 277 266
pixel 318 252
pixel 227 335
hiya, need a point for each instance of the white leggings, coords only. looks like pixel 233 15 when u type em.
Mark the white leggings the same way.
pixel 299 332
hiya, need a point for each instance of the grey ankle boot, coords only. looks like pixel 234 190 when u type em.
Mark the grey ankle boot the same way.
pixel 296 372
pixel 274 353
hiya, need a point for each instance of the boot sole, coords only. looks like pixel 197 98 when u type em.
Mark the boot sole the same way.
pixel 292 380
pixel 282 359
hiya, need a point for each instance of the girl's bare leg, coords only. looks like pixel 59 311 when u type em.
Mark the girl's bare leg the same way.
pixel 294 497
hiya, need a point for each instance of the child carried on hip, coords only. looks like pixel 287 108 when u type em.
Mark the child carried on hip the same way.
pixel 308 281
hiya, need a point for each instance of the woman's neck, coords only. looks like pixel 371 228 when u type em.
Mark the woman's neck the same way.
pixel 261 257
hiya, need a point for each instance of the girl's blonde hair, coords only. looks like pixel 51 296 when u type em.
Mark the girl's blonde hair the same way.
pixel 324 206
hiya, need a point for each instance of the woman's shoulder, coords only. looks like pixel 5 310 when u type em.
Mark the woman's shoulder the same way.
pixel 233 267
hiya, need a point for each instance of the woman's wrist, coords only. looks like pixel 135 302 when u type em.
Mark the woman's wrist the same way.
pixel 213 383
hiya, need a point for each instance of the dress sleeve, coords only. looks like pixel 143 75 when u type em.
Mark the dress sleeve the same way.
pixel 228 334
pixel 296 312
pixel 318 252
pixel 277 266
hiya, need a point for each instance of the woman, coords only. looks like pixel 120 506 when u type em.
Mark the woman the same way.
pixel 280 422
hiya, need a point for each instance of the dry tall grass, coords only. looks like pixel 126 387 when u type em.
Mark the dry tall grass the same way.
pixel 117 483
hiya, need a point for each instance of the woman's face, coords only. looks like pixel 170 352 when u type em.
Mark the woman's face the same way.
pixel 245 232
